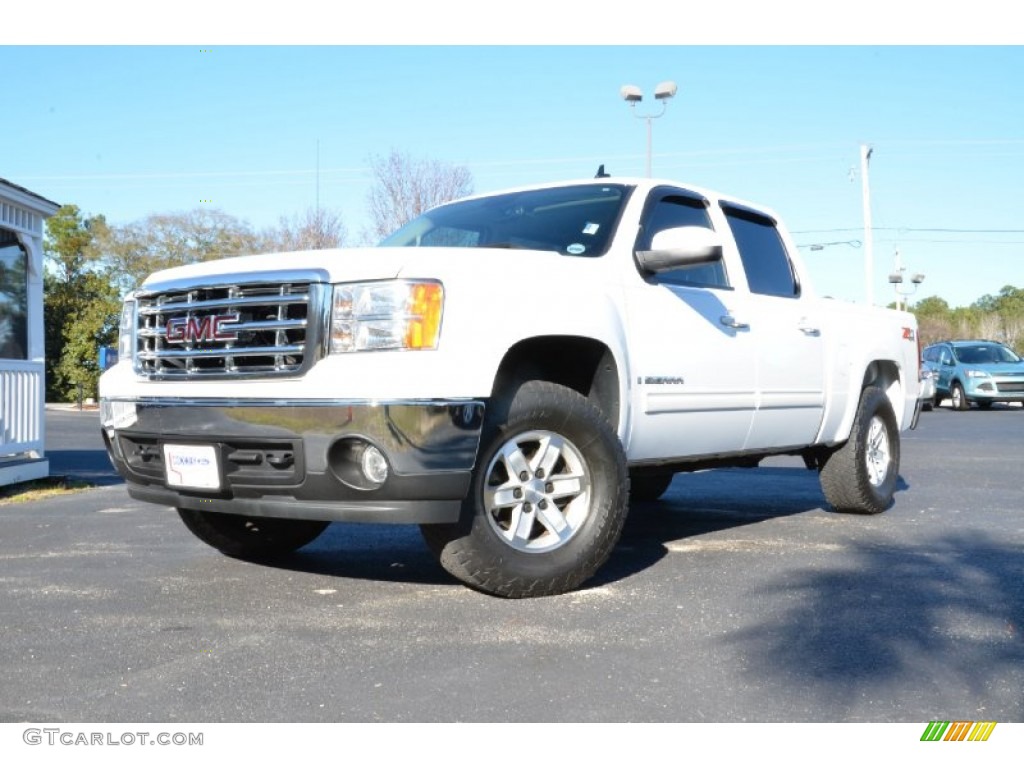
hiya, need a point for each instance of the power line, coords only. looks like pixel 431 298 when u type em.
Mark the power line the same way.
pixel 914 229
pixel 782 149
pixel 953 242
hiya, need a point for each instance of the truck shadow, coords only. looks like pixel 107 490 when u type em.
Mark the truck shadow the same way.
pixel 368 552
pixel 85 465
pixel 893 621
pixel 700 503
pixel 697 503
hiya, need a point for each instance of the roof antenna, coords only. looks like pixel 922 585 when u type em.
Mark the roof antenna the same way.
pixel 601 173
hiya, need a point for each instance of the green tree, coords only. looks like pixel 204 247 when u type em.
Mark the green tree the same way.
pixel 934 319
pixel 1002 316
pixel 93 325
pixel 999 317
pixel 133 251
pixel 80 303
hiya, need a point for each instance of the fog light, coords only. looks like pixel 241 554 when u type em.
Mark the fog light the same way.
pixel 374 465
pixel 358 463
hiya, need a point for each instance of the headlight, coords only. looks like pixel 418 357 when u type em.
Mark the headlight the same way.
pixel 391 314
pixel 975 374
pixel 126 331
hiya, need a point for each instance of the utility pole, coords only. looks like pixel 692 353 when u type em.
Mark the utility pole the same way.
pixel 869 256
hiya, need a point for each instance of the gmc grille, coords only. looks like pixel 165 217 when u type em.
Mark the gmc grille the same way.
pixel 228 331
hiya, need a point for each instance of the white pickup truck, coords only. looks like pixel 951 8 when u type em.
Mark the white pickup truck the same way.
pixel 508 371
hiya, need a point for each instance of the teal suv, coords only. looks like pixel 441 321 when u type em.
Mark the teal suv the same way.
pixel 981 372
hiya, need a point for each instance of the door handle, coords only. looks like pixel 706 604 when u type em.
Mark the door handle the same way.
pixel 731 322
pixel 807 328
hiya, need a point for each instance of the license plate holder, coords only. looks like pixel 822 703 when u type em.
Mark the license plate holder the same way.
pixel 195 467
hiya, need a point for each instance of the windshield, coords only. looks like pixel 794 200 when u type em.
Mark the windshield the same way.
pixel 577 220
pixel 986 353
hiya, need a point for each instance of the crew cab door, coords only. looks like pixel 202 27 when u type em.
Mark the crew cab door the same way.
pixel 787 332
pixel 693 364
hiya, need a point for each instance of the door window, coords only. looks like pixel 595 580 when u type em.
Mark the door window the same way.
pixel 667 210
pixel 769 270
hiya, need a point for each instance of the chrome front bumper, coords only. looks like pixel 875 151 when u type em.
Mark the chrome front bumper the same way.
pixel 293 459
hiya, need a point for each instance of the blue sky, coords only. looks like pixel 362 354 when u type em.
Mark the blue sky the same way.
pixel 128 131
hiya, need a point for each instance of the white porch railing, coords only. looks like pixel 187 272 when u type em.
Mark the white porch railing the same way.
pixel 21 407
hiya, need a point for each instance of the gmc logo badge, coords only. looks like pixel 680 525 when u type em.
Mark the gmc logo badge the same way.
pixel 192 330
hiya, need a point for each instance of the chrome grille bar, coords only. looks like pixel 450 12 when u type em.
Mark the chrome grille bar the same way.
pixel 243 301
pixel 183 354
pixel 229 330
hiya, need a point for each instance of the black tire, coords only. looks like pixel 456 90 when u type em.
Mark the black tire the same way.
pixel 860 476
pixel 649 487
pixel 251 538
pixel 937 401
pixel 958 398
pixel 554 449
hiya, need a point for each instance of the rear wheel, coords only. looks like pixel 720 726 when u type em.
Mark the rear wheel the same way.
pixel 251 537
pixel 860 476
pixel 547 501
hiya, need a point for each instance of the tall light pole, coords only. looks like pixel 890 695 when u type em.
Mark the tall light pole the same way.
pixel 896 278
pixel 869 256
pixel 633 95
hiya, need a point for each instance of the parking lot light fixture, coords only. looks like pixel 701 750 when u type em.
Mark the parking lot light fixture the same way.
pixel 632 95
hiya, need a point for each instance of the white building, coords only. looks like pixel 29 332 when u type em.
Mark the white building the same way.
pixel 22 353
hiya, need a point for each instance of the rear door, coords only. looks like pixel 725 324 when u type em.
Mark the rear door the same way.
pixel 946 367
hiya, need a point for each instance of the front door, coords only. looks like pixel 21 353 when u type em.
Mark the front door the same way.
pixel 694 364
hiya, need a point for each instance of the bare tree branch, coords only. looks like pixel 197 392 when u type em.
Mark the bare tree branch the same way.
pixel 405 187
pixel 313 230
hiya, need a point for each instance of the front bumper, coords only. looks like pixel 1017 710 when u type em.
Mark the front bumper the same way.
pixel 294 459
pixel 995 389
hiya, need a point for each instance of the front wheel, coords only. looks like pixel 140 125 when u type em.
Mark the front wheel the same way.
pixel 547 501
pixel 958 398
pixel 860 476
pixel 250 537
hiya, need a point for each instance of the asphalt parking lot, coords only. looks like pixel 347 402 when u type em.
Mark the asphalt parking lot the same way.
pixel 738 598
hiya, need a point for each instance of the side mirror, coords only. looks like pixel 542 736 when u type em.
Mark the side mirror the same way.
pixel 681 247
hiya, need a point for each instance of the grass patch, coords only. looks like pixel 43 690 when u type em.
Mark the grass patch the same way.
pixel 45 488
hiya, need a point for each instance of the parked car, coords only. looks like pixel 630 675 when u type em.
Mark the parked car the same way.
pixel 975 371
pixel 928 394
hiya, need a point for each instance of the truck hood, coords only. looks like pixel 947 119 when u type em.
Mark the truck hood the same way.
pixel 359 264
pixel 330 265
